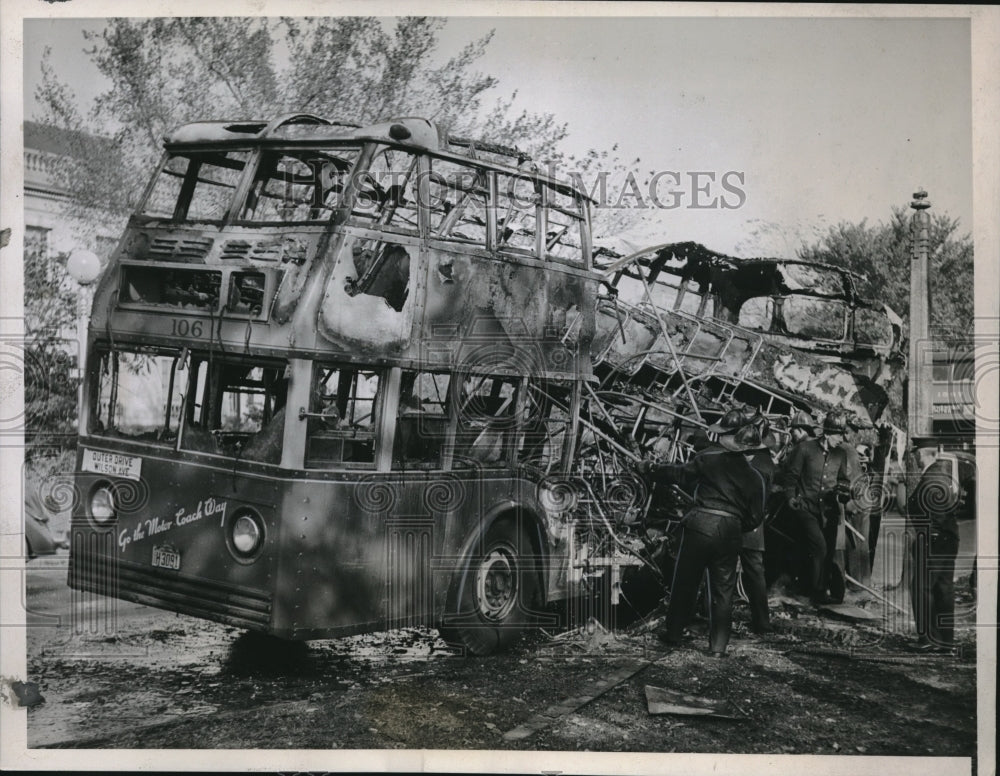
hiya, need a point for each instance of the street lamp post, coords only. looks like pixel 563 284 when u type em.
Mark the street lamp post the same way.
pixel 919 416
pixel 84 267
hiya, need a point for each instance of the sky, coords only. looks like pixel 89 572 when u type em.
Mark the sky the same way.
pixel 811 121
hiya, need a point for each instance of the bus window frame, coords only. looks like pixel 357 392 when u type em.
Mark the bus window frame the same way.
pixel 362 167
pixel 212 394
pixel 174 219
pixel 400 461
pixel 387 383
pixel 271 281
pixel 492 248
pixel 337 214
pixel 580 219
pixel 99 364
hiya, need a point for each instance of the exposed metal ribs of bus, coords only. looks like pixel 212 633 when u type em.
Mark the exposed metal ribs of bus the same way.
pixel 670 356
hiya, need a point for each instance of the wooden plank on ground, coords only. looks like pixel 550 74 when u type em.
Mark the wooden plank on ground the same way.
pixel 850 612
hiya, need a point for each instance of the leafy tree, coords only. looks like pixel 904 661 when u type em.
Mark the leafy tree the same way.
pixel 50 385
pixel 881 254
pixel 164 72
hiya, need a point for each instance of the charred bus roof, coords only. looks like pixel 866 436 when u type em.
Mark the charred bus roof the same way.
pixel 738 279
pixel 306 129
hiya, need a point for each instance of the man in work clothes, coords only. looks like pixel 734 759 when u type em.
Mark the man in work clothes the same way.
pixel 729 496
pixel 933 528
pixel 814 479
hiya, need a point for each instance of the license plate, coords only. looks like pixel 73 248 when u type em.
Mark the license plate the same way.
pixel 114 464
pixel 166 558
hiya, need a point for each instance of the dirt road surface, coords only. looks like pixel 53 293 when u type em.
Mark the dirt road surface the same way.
pixel 135 677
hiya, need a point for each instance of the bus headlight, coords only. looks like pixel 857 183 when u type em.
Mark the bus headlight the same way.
pixel 102 505
pixel 247 533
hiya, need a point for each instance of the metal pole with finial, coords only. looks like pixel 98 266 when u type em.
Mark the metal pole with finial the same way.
pixel 918 398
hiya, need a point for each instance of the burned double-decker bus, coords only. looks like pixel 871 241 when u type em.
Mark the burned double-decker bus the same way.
pixel 332 371
pixel 345 379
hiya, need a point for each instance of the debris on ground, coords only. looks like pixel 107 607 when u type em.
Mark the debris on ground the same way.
pixel 660 700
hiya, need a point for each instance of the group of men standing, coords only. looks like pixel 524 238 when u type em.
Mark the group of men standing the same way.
pixel 740 473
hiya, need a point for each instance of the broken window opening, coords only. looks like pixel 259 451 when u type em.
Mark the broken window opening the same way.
pixel 341 427
pixel 302 186
pixel 458 202
pixel 236 409
pixel 138 395
pixel 814 318
pixel 486 418
pixel 518 200
pixel 183 289
pixel 383 270
pixel 757 314
pixel 246 294
pixel 564 223
pixel 422 420
pixel 196 186
pixel 872 327
pixel 547 426
pixel 810 278
pixel 387 191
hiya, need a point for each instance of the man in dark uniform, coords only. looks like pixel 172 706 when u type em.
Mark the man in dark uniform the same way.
pixel 933 528
pixel 764 461
pixel 729 496
pixel 858 509
pixel 803 427
pixel 813 477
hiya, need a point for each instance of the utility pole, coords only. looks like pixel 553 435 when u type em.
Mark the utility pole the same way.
pixel 918 395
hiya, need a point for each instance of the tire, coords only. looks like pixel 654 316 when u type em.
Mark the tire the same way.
pixel 496 595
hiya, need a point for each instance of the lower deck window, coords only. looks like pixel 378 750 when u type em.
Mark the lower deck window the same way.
pixel 341 418
pixel 486 419
pixel 138 395
pixel 422 420
pixel 236 409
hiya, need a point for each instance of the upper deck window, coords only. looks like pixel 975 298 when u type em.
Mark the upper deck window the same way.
pixel 458 202
pixel 300 185
pixel 518 202
pixel 563 226
pixel 387 191
pixel 196 186
pixel 872 327
pixel 815 318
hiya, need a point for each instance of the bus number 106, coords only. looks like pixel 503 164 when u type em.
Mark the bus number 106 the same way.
pixel 184 328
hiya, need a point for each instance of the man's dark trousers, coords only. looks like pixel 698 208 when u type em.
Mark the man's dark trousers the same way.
pixel 754 585
pixel 709 541
pixel 932 585
pixel 812 550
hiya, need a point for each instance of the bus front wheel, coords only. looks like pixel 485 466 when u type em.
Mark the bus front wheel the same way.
pixel 495 596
